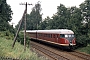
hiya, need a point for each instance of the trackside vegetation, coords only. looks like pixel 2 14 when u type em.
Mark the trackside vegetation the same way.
pixel 85 49
pixel 17 52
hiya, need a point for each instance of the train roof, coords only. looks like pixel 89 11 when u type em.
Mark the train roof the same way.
pixel 53 31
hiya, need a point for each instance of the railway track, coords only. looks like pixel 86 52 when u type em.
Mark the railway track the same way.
pixel 80 55
pixel 48 52
pixel 56 54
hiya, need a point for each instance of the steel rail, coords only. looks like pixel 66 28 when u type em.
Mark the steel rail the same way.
pixel 80 55
pixel 48 52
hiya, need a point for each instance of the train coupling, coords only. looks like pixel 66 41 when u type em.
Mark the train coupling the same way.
pixel 70 44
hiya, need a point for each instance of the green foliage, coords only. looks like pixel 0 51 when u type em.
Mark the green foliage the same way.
pixel 5 17
pixel 20 38
pixel 33 19
pixel 6 34
pixel 82 41
pixel 45 24
pixel 17 52
pixel 85 49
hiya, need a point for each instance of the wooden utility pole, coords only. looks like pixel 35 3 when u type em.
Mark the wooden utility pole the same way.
pixel 25 24
pixel 18 29
pixel 25 28
pixel 24 16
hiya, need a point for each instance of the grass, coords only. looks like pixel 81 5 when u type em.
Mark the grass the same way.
pixel 85 49
pixel 17 52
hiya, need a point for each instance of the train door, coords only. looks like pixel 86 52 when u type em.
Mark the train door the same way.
pixel 56 38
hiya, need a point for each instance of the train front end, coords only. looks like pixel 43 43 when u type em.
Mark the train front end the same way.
pixel 67 39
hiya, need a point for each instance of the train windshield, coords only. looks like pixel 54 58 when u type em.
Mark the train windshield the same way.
pixel 66 35
pixel 69 35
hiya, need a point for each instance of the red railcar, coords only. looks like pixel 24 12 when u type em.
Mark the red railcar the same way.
pixel 62 37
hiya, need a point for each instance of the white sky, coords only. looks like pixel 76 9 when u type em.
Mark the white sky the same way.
pixel 49 7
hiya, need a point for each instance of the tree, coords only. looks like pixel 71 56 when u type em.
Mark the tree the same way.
pixel 44 24
pixel 35 16
pixel 5 16
pixel 62 16
pixel 85 9
pixel 33 19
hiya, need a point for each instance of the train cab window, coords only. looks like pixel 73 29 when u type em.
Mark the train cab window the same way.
pixel 66 35
pixel 72 35
pixel 62 35
pixel 69 35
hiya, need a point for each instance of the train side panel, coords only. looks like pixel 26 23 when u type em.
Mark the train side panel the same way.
pixel 32 35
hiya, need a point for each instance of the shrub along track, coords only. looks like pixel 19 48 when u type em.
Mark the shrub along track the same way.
pixel 57 54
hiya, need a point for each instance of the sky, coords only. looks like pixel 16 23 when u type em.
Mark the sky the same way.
pixel 49 7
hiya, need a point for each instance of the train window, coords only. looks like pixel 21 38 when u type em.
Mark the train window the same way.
pixel 44 35
pixel 39 34
pixel 69 35
pixel 66 35
pixel 57 36
pixel 51 35
pixel 72 35
pixel 54 36
pixel 62 35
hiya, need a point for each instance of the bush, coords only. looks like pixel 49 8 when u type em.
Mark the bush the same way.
pixel 7 35
pixel 20 38
pixel 81 41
